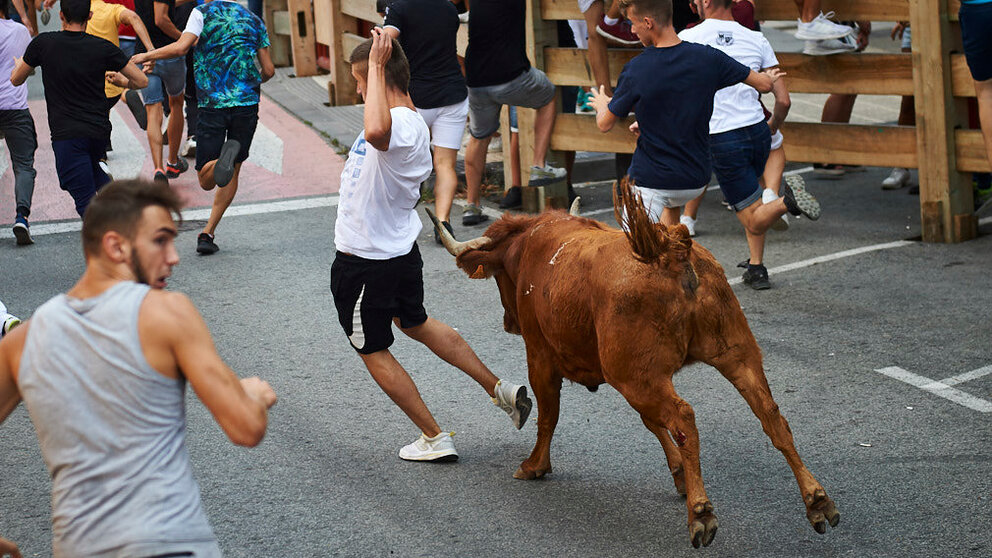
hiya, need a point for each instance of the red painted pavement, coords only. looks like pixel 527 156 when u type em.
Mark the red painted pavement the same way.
pixel 309 167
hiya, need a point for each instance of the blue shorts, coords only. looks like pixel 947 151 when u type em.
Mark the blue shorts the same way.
pixel 168 79
pixel 739 158
pixel 976 35
pixel 214 126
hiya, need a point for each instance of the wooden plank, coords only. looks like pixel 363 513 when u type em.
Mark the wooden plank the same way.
pixel 280 24
pixel 322 21
pixel 279 47
pixel 578 132
pixel 867 74
pixel 970 151
pixel 962 84
pixel 953 6
pixel 361 9
pixel 348 43
pixel 302 37
pixel 570 66
pixel 344 83
pixel 944 192
pixel 877 10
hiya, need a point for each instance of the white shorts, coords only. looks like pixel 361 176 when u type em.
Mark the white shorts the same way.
pixel 656 200
pixel 584 5
pixel 777 140
pixel 447 124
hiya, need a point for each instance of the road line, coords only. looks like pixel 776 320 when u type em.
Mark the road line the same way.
pixel 967 376
pixel 43 229
pixel 937 388
pixel 831 257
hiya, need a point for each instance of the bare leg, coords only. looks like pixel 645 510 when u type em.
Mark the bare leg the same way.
pixel 614 10
pixel 692 208
pixel 399 386
pixel 447 181
pixel 983 91
pixel 838 107
pixel 175 130
pixel 514 160
pixel 670 216
pixel 544 121
pixel 475 166
pixel 446 343
pixel 597 54
pixel 222 199
pixel 808 9
pixel 755 247
pixel 772 178
pixel 154 133
pixel 758 217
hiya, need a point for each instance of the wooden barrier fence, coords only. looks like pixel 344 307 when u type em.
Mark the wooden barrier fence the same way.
pixel 937 76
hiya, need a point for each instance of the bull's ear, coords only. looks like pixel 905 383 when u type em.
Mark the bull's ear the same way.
pixel 479 273
pixel 479 264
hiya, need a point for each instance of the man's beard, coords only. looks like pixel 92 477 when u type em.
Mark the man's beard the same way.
pixel 139 274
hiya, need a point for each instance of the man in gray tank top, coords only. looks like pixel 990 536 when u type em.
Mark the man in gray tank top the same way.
pixel 102 371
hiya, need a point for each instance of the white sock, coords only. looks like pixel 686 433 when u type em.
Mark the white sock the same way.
pixel 610 20
pixel 768 196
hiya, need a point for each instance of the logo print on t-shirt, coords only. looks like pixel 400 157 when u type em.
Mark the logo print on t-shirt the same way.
pixel 725 38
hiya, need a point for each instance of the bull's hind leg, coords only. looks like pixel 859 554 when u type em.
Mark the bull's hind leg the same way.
pixel 744 369
pixel 546 384
pixel 671 454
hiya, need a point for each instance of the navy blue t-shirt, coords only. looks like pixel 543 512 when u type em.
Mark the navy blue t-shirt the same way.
pixel 671 91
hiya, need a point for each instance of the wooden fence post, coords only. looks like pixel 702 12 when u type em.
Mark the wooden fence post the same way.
pixel 302 38
pixel 344 83
pixel 945 195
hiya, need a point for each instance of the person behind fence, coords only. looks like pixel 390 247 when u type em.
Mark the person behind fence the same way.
pixel 16 123
pixel 976 21
pixel 498 73
pixel 428 32
pixel 102 371
pixel 377 274
pixel 670 86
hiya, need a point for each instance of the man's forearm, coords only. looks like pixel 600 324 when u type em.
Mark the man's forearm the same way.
pixel 378 121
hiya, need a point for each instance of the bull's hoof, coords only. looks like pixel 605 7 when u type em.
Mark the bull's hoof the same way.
pixel 822 511
pixel 703 527
pixel 528 474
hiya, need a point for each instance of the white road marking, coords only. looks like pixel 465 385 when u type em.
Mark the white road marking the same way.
pixel 967 376
pixel 831 257
pixel 941 388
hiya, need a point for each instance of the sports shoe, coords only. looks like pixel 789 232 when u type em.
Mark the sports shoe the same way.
pixel 767 197
pixel 205 244
pixel 495 145
pixel 898 179
pixel 173 170
pixel 689 223
pixel 821 28
pixel 133 101
pixel 583 102
pixel 473 215
pixel 512 199
pixel 827 47
pixel 160 175
pixel 797 200
pixel 22 231
pixel 46 16
pixel 547 174
pixel 105 168
pixel 439 449
pixel 463 17
pixel 189 148
pixel 827 170
pixel 224 168
pixel 8 323
pixel 755 276
pixel 437 236
pixel 620 32
pixel 514 402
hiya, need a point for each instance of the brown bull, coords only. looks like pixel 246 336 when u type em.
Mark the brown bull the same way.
pixel 595 304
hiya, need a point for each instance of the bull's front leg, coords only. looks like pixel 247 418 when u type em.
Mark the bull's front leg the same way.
pixel 546 384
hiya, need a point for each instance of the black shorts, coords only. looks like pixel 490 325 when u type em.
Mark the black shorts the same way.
pixel 368 294
pixel 214 126
pixel 976 35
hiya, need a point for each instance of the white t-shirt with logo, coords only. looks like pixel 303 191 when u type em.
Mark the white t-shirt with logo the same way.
pixel 379 192
pixel 736 106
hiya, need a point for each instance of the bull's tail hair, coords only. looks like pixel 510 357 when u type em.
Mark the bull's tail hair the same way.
pixel 648 241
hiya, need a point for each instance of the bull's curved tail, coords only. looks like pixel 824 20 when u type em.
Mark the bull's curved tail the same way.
pixel 649 241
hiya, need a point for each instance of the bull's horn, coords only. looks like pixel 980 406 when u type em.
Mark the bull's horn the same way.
pixel 574 210
pixel 454 247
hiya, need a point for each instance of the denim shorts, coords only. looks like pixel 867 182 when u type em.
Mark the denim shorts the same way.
pixel 168 79
pixel 739 158
pixel 214 126
pixel 976 35
pixel 531 89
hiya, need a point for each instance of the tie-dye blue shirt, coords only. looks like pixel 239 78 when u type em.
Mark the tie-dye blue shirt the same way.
pixel 224 58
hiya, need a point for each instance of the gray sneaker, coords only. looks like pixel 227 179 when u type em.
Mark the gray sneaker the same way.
pixel 473 215
pixel 514 402
pixel 546 174
pixel 797 200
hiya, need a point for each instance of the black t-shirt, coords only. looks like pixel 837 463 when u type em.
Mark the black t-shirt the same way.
pixel 671 91
pixel 497 43
pixel 428 35
pixel 146 11
pixel 73 68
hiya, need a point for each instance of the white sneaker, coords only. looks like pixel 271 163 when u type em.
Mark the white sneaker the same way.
pixel 540 176
pixel 898 179
pixel 830 46
pixel 189 148
pixel 689 223
pixel 496 144
pixel 821 28
pixel 767 197
pixel 463 17
pixel 7 323
pixel 514 402
pixel 106 169
pixel 440 448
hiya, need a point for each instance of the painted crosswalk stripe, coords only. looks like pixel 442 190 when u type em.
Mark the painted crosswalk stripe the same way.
pixel 940 388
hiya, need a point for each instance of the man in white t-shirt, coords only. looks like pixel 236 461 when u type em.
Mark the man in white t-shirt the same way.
pixel 377 274
pixel 740 138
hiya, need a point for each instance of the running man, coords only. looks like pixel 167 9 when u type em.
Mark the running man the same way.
pixel 228 40
pixel 102 371
pixel 377 275
pixel 16 123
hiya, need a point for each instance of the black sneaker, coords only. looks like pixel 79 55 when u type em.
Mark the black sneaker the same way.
pixel 512 199
pixel 473 215
pixel 174 170
pixel 160 176
pixel 224 168
pixel 133 101
pixel 205 244
pixel 437 236
pixel 22 231
pixel 797 200
pixel 756 277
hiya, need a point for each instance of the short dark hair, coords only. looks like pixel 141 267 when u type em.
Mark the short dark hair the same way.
pixel 660 10
pixel 397 67
pixel 4 8
pixel 76 11
pixel 118 207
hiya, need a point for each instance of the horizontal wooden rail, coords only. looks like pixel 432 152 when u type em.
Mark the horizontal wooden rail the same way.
pixel 576 132
pixel 874 10
pixel 348 43
pixel 362 9
pixel 970 151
